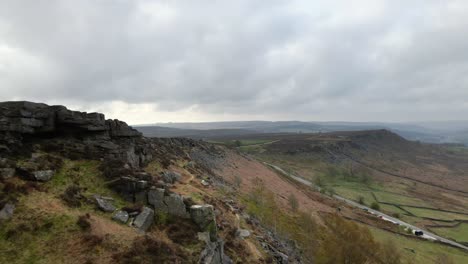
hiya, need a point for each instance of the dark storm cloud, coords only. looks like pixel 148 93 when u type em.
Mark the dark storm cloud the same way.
pixel 380 60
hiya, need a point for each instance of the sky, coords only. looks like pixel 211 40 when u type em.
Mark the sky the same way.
pixel 148 61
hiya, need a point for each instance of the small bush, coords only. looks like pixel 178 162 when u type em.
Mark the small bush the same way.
pixel 375 206
pixel 361 200
pixel 72 196
pixel 292 200
pixel 83 222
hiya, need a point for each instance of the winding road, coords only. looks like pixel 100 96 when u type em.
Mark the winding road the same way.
pixel 427 235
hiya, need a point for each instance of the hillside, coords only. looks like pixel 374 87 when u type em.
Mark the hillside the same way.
pixel 77 188
pixel 423 184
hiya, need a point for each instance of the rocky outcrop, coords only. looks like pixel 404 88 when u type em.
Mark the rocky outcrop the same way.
pixel 172 204
pixel 32 118
pixel 73 132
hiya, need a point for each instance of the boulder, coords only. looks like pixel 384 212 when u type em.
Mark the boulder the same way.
pixel 173 204
pixel 204 217
pixel 43 175
pixel 7 211
pixel 243 233
pixel 176 206
pixel 156 199
pixel 170 177
pixel 104 203
pixel 145 219
pixel 121 216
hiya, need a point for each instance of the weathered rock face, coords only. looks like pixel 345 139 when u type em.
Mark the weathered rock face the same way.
pixel 21 120
pixel 30 118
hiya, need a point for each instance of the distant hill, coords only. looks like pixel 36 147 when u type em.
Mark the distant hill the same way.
pixel 431 132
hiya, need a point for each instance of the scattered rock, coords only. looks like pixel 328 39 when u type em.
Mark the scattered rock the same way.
pixel 243 233
pixel 170 177
pixel 6 173
pixel 205 183
pixel 43 175
pixel 214 253
pixel 104 203
pixel 145 219
pixel 7 211
pixel 121 216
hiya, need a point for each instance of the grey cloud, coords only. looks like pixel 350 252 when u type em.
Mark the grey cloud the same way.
pixel 373 60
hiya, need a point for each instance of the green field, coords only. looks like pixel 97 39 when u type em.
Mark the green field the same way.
pixel 458 233
pixel 400 199
pixel 436 214
pixel 419 251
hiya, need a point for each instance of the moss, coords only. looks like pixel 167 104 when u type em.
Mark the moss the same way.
pixel 86 175
pixel 212 230
pixel 28 240
pixel 162 218
pixel 154 167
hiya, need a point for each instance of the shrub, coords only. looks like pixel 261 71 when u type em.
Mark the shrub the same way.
pixel 72 196
pixel 361 200
pixel 292 200
pixel 83 222
pixel 443 259
pixel 375 206
pixel 396 215
pixel 237 181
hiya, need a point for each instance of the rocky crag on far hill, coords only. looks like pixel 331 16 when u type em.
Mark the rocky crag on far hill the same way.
pixel 39 148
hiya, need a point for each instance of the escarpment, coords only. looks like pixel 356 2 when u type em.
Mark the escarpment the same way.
pixel 42 147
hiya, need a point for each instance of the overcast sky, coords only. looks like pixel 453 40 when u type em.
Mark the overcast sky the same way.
pixel 159 61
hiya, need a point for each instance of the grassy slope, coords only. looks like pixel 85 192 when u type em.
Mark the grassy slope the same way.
pixel 459 233
pixel 424 251
pixel 395 192
pixel 45 230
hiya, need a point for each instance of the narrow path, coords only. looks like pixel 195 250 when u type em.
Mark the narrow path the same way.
pixel 427 235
